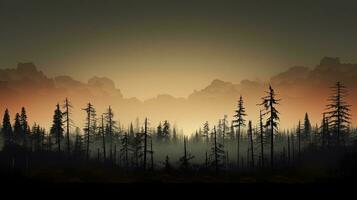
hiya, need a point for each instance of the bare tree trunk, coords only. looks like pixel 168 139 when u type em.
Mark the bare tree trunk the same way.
pixel 261 139
pixel 238 141
pixel 67 126
pixel 251 143
pixel 145 143
pixel 103 137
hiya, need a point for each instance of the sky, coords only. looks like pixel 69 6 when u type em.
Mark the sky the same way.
pixel 174 47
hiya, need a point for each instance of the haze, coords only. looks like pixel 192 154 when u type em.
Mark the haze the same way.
pixel 174 47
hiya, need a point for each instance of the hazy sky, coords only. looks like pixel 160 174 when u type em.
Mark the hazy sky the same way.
pixel 152 47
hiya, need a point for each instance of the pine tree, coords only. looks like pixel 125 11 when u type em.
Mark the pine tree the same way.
pixel 269 103
pixel 89 127
pixel 7 129
pixel 307 130
pixel 239 122
pixel 25 129
pixel 145 141
pixel 174 135
pixel 111 129
pixel 325 135
pixel 17 129
pixel 338 113
pixel 185 159
pixel 166 130
pixel 217 152
pixel 261 132
pixel 67 106
pixel 298 133
pixel 102 131
pixel 206 131
pixel 251 148
pixel 159 132
pixel 57 127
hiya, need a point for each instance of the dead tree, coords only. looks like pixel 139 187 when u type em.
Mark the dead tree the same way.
pixel 250 135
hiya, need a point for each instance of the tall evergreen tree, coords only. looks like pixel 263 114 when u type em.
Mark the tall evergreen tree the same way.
pixel 338 113
pixel 217 153
pixel 25 128
pixel 307 129
pixel 17 128
pixel 251 145
pixel 90 128
pixel 67 106
pixel 269 103
pixel 206 131
pixel 185 159
pixel 261 137
pixel 7 129
pixel 166 130
pixel 57 127
pixel 239 122
pixel 298 134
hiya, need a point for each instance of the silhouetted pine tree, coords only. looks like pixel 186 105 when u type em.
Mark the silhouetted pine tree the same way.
pixel 239 122
pixel 325 134
pixel 37 137
pixel 166 131
pixel 24 137
pixel 103 134
pixel 185 159
pixel 151 155
pixel 251 145
pixel 90 128
pixel 217 153
pixel 137 147
pixel 111 130
pixel 174 135
pixel 298 134
pixel 17 129
pixel 307 130
pixel 145 142
pixel 338 113
pixel 57 127
pixel 261 138
pixel 7 129
pixel 206 131
pixel 159 133
pixel 67 106
pixel 269 103
pixel 125 149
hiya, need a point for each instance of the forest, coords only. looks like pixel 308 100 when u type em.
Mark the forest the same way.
pixel 240 150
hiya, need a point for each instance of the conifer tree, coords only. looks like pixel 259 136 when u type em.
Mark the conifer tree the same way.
pixel 261 137
pixel 251 148
pixel 338 113
pixel 269 103
pixel 7 129
pixel 57 127
pixel 206 131
pixel 217 152
pixel 239 122
pixel 307 130
pixel 17 129
pixel 67 106
pixel 90 128
pixel 185 159
pixel 25 129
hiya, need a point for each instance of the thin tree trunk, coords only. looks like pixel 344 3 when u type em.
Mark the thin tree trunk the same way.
pixel 145 143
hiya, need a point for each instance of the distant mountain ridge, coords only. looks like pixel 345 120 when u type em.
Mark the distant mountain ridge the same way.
pixel 302 89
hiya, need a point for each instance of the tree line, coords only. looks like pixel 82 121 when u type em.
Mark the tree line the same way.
pixel 227 145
